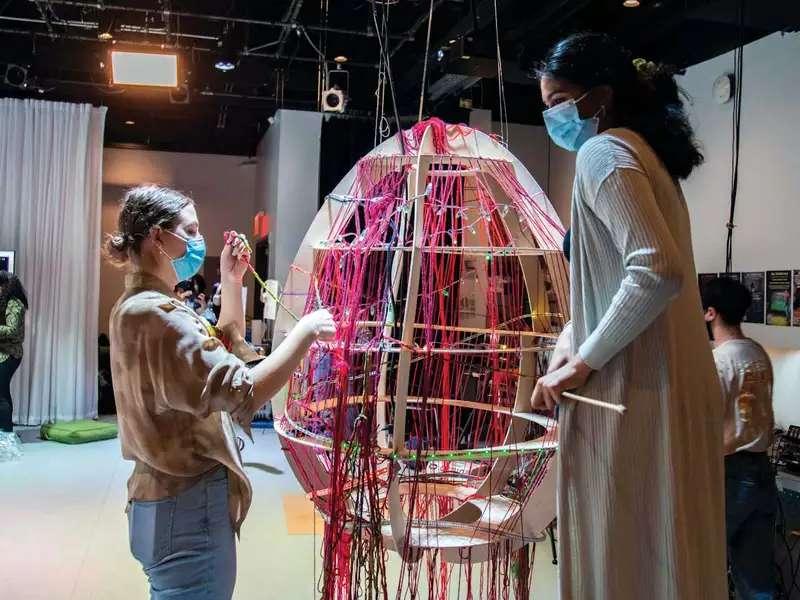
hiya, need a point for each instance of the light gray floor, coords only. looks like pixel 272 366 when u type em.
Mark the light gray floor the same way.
pixel 63 532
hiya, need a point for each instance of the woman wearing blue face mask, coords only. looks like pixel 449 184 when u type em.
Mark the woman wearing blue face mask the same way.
pixel 178 392
pixel 641 496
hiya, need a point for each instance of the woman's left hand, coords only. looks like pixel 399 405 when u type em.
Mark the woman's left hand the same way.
pixel 234 258
pixel 572 375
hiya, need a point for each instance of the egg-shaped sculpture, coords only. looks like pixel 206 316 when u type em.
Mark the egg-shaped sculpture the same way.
pixel 440 259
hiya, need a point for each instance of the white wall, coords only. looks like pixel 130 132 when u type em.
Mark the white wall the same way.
pixel 288 183
pixel 767 235
pixel 223 190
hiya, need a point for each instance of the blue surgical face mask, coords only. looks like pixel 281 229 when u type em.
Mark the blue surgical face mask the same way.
pixel 189 264
pixel 565 126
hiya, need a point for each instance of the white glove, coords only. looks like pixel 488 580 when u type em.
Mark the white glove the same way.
pixel 319 324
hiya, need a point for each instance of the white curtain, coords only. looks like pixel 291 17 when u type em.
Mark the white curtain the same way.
pixel 51 162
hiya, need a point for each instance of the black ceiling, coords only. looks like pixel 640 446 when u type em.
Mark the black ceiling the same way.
pixel 278 64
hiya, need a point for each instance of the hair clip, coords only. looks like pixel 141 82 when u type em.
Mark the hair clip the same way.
pixel 646 68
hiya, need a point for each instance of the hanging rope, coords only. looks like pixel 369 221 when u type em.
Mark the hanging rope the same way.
pixel 425 65
pixel 382 130
pixel 383 46
pixel 500 83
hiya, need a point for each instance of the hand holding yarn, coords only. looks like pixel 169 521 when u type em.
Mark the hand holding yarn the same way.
pixel 235 257
pixel 319 324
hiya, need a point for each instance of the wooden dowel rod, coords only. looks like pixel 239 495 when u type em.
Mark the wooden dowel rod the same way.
pixel 499 332
pixel 615 407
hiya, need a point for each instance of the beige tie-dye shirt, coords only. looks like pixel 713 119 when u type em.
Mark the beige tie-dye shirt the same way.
pixel 178 392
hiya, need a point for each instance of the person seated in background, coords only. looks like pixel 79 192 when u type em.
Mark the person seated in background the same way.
pixel 745 374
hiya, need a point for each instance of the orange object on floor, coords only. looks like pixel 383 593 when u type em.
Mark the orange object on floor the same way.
pixel 300 515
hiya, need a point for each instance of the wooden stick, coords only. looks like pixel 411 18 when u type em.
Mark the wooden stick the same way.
pixel 499 332
pixel 615 407
pixel 258 279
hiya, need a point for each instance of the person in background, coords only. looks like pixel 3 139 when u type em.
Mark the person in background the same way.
pixel 641 511
pixel 192 292
pixel 13 305
pixel 184 290
pixel 745 373
pixel 212 309
pixel 198 287
pixel 105 395
pixel 179 391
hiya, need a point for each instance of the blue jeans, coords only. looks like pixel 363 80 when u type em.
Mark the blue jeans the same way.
pixel 751 501
pixel 186 543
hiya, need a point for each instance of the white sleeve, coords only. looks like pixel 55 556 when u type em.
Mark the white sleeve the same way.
pixel 627 207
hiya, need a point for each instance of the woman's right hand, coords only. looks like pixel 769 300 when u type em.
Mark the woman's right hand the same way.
pixel 234 258
pixel 319 324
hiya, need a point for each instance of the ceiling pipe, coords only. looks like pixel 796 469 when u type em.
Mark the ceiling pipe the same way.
pixel 290 17
pixel 83 38
pixel 44 16
pixel 412 32
pixel 53 81
pixel 91 26
pixel 218 18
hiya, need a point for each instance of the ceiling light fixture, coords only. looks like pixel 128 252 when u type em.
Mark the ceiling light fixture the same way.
pixel 105 26
pixel 224 65
pixel 129 122
pixel 631 3
pixel 16 76
pixel 138 68
pixel 228 56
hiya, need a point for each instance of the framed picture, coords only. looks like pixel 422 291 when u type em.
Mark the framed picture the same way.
pixel 779 298
pixel 7 260
pixel 755 282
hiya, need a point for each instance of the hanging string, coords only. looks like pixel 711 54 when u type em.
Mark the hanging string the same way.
pixel 425 64
pixel 501 89
pixel 383 43
pixel 380 90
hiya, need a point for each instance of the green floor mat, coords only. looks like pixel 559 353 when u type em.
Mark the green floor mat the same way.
pixel 79 432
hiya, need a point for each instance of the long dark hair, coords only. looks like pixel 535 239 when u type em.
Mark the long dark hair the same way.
pixel 10 287
pixel 646 97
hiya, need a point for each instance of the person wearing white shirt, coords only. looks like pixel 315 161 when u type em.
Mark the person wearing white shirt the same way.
pixel 745 374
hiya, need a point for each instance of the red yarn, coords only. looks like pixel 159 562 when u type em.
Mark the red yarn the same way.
pixel 473 313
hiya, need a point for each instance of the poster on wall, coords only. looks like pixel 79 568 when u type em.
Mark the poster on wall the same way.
pixel 7 260
pixel 779 298
pixel 754 281
pixel 796 298
pixel 704 278
pixel 732 275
